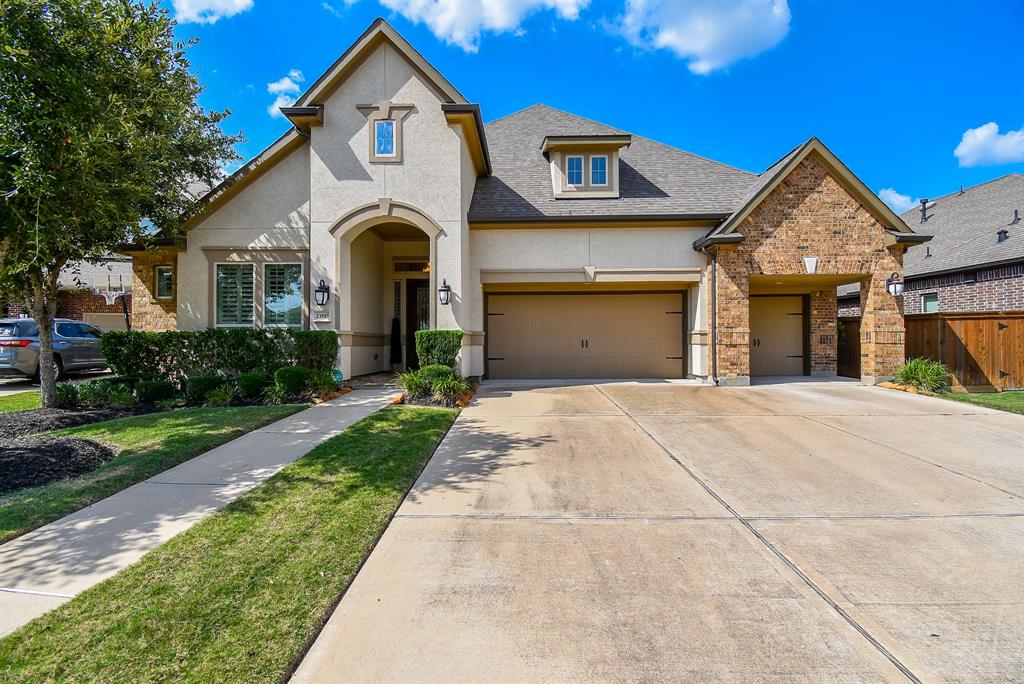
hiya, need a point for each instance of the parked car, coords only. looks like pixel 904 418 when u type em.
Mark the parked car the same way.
pixel 76 347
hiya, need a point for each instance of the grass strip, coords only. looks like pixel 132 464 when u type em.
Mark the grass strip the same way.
pixel 23 401
pixel 149 444
pixel 1012 401
pixel 237 597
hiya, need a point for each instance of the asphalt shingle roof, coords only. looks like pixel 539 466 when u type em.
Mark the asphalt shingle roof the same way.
pixel 964 226
pixel 654 179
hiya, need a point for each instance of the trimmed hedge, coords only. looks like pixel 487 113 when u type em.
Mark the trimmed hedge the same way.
pixel 438 347
pixel 292 380
pixel 152 391
pixel 199 386
pixel 251 385
pixel 175 355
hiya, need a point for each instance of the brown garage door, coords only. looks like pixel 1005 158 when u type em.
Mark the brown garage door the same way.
pixel 586 335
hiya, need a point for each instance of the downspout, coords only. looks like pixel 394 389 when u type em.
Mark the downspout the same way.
pixel 714 313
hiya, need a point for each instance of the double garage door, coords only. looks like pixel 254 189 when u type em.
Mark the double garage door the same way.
pixel 586 335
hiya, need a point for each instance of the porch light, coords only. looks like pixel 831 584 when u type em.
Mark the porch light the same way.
pixel 322 293
pixel 444 293
pixel 894 285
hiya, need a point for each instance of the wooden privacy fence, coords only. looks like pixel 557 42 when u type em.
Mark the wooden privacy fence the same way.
pixel 985 351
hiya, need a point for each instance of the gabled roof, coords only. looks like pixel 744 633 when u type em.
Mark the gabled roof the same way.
pixel 655 180
pixel 770 179
pixel 378 33
pixel 963 227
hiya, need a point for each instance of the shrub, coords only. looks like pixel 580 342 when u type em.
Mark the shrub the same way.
pixel 121 397
pixel 67 394
pixel 275 394
pixel 924 374
pixel 95 393
pixel 435 371
pixel 322 382
pixel 292 380
pixel 153 391
pixel 198 386
pixel 448 390
pixel 414 383
pixel 315 349
pixel 167 404
pixel 251 385
pixel 127 381
pixel 221 396
pixel 438 347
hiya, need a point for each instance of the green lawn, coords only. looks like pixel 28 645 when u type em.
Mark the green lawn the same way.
pixel 1004 401
pixel 150 444
pixel 22 401
pixel 237 597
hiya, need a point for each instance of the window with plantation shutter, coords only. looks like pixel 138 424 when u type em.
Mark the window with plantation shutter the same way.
pixel 235 294
pixel 282 295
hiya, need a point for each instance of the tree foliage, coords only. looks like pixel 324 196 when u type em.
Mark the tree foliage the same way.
pixel 101 134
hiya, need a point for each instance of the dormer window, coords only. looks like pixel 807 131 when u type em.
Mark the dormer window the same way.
pixel 584 166
pixel 384 141
pixel 599 170
pixel 574 170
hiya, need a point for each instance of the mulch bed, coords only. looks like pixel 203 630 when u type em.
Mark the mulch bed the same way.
pixel 34 461
pixel 22 423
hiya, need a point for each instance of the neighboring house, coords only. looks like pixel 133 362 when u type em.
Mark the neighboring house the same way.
pixel 975 260
pixel 560 246
pixel 81 286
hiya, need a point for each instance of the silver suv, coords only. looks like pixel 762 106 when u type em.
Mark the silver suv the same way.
pixel 76 347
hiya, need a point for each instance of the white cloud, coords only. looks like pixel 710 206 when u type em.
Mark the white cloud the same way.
pixel 986 146
pixel 709 34
pixel 334 10
pixel 286 89
pixel 462 22
pixel 208 11
pixel 897 201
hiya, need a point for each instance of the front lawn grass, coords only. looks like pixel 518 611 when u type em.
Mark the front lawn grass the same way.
pixel 238 597
pixel 1012 401
pixel 22 401
pixel 150 444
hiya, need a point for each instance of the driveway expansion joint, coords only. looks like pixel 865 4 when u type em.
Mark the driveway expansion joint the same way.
pixel 843 613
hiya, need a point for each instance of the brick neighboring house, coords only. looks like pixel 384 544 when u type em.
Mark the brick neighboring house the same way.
pixel 975 261
pixel 80 286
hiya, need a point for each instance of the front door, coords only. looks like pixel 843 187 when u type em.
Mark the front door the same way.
pixel 777 335
pixel 417 316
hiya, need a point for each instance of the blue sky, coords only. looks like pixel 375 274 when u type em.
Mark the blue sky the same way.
pixel 916 97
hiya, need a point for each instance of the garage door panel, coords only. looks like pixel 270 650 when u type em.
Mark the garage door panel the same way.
pixel 585 336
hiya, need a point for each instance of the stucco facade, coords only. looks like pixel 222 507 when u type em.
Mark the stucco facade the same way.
pixel 383 228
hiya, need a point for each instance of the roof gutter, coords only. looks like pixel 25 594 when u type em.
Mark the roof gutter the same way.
pixel 579 218
pixel 702 244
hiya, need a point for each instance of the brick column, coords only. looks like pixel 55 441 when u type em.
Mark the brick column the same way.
pixel 733 325
pixel 881 323
pixel 824 335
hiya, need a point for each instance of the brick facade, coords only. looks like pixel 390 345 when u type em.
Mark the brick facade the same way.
pixel 74 304
pixel 148 312
pixel 810 213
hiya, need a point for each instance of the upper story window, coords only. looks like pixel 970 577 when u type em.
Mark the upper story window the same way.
pixel 599 170
pixel 574 170
pixel 384 138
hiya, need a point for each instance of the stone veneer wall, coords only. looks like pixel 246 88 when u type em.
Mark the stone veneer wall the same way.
pixel 148 312
pixel 810 213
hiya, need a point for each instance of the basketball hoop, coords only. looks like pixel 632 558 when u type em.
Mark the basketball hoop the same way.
pixel 110 296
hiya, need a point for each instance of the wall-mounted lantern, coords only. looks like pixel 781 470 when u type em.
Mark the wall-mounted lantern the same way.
pixel 894 285
pixel 322 293
pixel 444 293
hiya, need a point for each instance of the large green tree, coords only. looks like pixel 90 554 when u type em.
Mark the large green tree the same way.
pixel 100 135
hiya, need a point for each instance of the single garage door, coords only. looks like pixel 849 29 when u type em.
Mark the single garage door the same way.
pixel 586 335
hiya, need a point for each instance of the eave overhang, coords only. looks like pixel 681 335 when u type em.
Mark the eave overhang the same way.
pixel 907 239
pixel 609 142
pixel 477 221
pixel 467 116
pixel 151 244
pixel 306 117
pixel 717 241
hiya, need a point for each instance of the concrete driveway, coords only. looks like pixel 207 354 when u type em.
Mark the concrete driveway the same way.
pixel 663 532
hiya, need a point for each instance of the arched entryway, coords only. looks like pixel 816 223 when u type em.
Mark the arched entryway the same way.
pixel 386 280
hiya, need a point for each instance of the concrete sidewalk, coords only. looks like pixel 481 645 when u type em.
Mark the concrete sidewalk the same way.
pixel 45 568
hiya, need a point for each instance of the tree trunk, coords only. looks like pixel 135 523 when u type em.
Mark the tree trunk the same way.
pixel 43 306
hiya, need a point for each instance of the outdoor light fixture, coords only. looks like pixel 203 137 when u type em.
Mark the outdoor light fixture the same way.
pixel 894 285
pixel 444 293
pixel 322 293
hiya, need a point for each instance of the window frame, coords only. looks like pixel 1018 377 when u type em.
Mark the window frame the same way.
pixel 302 275
pixel 216 294
pixel 156 282
pixel 377 125
pixel 930 296
pixel 568 171
pixel 590 166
